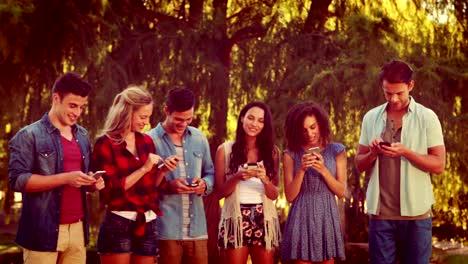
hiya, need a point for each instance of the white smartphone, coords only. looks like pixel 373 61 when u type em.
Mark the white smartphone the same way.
pixel 98 174
pixel 193 184
pixel 249 166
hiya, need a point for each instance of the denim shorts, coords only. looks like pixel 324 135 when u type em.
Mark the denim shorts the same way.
pixel 116 236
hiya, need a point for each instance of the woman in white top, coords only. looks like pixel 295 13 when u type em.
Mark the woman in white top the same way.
pixel 246 173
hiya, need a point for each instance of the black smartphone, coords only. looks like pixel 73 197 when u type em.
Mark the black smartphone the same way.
pixel 385 143
pixel 98 174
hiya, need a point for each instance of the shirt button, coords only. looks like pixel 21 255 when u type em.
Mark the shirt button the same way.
pixel 186 163
pixel 191 215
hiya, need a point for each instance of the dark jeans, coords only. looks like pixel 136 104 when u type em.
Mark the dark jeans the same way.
pixel 409 241
pixel 116 236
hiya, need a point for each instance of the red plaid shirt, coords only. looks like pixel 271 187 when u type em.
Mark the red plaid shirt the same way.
pixel 118 163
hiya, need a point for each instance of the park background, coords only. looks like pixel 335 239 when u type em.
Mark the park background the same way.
pixel 232 52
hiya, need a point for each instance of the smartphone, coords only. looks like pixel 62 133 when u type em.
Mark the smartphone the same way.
pixel 193 184
pixel 249 166
pixel 313 150
pixel 385 143
pixel 98 174
pixel 162 164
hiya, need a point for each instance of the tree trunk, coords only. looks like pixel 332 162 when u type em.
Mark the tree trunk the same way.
pixel 218 117
pixel 317 16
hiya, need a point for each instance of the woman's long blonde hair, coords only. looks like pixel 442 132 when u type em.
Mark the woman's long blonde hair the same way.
pixel 119 118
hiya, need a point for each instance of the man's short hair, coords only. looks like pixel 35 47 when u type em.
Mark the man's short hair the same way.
pixel 396 72
pixel 71 83
pixel 180 99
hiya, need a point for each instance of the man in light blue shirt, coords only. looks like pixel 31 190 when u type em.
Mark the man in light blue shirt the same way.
pixel 401 143
pixel 182 228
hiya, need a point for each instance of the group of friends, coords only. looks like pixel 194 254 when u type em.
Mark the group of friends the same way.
pixel 152 183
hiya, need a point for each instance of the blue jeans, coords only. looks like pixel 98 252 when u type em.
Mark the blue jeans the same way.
pixel 409 241
pixel 116 236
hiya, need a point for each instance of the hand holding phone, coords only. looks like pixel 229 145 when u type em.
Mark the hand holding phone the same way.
pixel 252 166
pixel 385 143
pixel 99 174
pixel 313 150
pixel 163 164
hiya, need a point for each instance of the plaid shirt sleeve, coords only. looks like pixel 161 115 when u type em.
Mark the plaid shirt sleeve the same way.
pixel 158 190
pixel 103 159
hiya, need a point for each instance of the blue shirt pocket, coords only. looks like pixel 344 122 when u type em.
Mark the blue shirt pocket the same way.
pixel 197 163
pixel 47 160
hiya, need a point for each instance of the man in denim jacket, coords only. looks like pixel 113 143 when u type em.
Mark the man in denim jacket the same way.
pixel 48 162
pixel 182 228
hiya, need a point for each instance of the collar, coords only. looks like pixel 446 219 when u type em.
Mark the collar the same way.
pixel 50 127
pixel 412 105
pixel 138 137
pixel 411 108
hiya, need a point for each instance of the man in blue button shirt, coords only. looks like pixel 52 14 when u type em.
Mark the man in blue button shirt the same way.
pixel 48 162
pixel 182 228
pixel 401 144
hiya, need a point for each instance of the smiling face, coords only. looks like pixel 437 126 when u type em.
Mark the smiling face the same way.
pixel 311 131
pixel 68 109
pixel 177 122
pixel 253 121
pixel 141 117
pixel 397 95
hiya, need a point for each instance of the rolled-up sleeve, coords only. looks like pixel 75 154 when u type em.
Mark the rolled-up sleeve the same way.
pixel 21 160
pixel 207 167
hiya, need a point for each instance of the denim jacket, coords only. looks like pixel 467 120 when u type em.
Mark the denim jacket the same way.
pixel 198 163
pixel 37 149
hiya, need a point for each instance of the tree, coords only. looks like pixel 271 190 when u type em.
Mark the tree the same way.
pixel 231 52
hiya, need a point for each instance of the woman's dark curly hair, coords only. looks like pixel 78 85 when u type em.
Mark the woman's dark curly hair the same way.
pixel 264 141
pixel 294 125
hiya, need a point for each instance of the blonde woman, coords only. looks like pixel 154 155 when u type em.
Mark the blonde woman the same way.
pixel 128 234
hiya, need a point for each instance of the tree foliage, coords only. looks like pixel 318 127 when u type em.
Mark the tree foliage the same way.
pixel 231 52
